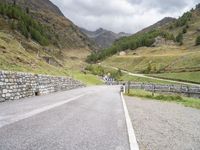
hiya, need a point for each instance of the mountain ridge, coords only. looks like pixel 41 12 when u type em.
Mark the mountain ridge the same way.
pixel 159 24
pixel 102 37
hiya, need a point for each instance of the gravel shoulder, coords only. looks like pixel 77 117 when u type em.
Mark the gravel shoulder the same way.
pixel 164 125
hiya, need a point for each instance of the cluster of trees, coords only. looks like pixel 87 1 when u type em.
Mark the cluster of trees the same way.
pixel 96 70
pixel 23 22
pixel 100 71
pixel 132 42
pixel 183 20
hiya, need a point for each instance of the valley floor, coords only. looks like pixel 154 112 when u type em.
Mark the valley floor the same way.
pixel 164 125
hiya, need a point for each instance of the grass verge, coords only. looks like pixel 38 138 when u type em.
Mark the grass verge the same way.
pixel 88 79
pixel 188 102
pixel 131 78
pixel 192 77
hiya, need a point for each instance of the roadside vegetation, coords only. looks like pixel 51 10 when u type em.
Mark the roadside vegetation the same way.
pixel 188 102
pixel 87 78
pixel 102 71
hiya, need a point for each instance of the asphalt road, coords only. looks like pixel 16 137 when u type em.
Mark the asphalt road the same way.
pixel 82 119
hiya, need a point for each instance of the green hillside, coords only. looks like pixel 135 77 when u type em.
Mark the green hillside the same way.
pixel 171 48
pixel 30 44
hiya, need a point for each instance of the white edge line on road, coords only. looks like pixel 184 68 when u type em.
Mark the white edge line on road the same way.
pixel 131 134
pixel 16 118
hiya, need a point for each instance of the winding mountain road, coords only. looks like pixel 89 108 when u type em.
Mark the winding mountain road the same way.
pixel 89 118
pixel 149 77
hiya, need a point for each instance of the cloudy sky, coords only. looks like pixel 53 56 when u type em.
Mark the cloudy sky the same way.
pixel 121 15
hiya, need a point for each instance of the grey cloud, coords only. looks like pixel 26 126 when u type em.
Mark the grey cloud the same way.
pixel 121 15
pixel 161 5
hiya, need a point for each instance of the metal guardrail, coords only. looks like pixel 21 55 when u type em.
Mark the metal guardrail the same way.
pixel 190 91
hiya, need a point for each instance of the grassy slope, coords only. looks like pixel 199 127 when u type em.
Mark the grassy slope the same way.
pixel 14 57
pixel 165 58
pixel 185 58
pixel 184 76
pixel 188 102
pixel 126 77
pixel 87 79
pixel 20 54
pixel 171 58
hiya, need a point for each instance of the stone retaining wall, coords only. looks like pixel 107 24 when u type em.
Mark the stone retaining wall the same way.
pixel 17 85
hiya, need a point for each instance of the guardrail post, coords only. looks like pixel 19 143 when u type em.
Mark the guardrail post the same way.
pixel 188 91
pixel 153 90
pixel 128 87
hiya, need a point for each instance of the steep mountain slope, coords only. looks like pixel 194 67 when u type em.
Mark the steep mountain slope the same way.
pixel 38 38
pixel 37 5
pixel 165 21
pixel 103 38
pixel 66 33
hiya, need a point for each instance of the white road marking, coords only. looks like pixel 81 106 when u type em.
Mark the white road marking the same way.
pixel 131 134
pixel 14 118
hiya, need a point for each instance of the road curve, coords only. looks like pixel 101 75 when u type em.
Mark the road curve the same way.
pixel 149 77
pixel 89 118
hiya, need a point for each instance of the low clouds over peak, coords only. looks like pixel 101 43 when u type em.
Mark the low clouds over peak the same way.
pixel 121 15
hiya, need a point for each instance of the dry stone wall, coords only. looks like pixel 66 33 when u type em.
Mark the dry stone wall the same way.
pixel 17 85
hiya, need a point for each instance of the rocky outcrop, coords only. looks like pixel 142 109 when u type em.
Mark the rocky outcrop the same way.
pixel 159 41
pixel 16 85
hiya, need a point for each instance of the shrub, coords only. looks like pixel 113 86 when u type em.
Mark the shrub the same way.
pixel 198 40
pixel 184 30
pixel 179 38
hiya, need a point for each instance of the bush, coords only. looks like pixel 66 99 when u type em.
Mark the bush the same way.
pixel 116 75
pixel 179 38
pixel 198 40
pixel 184 30
pixel 23 29
pixel 96 70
